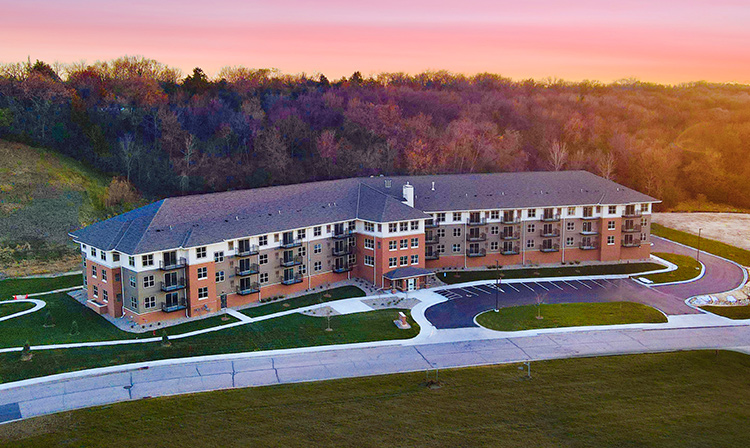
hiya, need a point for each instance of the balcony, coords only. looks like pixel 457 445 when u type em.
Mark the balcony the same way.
pixel 510 236
pixel 631 243
pixel 589 232
pixel 631 229
pixel 476 253
pixel 632 213
pixel 247 270
pixel 289 243
pixel 346 267
pixel 589 246
pixel 297 278
pixel 172 265
pixel 510 220
pixel 512 251
pixel 432 255
pixel 430 224
pixel 585 216
pixel 338 234
pixel 293 261
pixel 476 237
pixel 247 250
pixel 432 239
pixel 552 248
pixel 344 250
pixel 167 287
pixel 477 222
pixel 550 217
pixel 251 288
pixel 554 233
pixel 170 307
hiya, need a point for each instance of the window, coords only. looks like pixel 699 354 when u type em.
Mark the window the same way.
pixel 404 244
pixel 415 225
pixel 369 243
pixel 104 256
pixel 218 257
pixel 612 209
pixel 115 256
pixel 96 292
pixel 93 271
pixel 302 251
pixel 149 302
pixel 404 260
pixel 610 225
pixel 134 303
pixel 456 216
pixel 569 241
pixel 644 207
pixel 392 227
pixel 132 281
pixel 131 261
pixel 644 222
pixel 531 213
pixel 93 252
pixel 570 226
pixel 104 275
pixel 147 260
pixel 529 244
pixel 494 245
pixel 415 259
pixel 441 233
pixel 317 231
pixel 263 240
pixel 531 228
pixel 441 248
pixel 494 230
pixel 105 295
pixel 369 227
pixel 571 211
pixel 392 262
pixel 303 269
pixel 117 277
pixel 610 240
pixel 392 245
pixel 380 227
pixel 457 231
pixel 441 217
pixel 148 281
pixel 203 293
pixel 495 214
pixel 263 278
pixel 318 248
pixel 200 252
pixel 369 260
pixel 403 226
pixel 263 259
pixel 415 242
pixel 317 266
pixel 643 237
pixel 219 276
pixel 202 273
pixel 275 237
pixel 301 234
pixel 456 248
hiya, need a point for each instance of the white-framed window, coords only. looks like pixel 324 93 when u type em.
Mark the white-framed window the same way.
pixel 317 231
pixel 149 302
pixel 104 255
pixel 148 281
pixel 263 240
pixel 369 243
pixel 404 260
pixel 415 225
pixel 93 271
pixel 95 291
pixel 441 233
pixel 147 260
pixel 105 295
pixel 570 226
pixel 262 258
pixel 531 228
pixel 392 245
pixel 610 240
pixel 415 242
pixel 644 222
pixel 202 273
pixel 494 230
pixel 303 269
pixel 456 248
pixel 612 209
pixel 369 260
pixel 93 252
pixel 117 277
pixel 440 217
pixel 203 293
pixel 441 248
pixel 456 216
pixel 494 214
pixel 392 262
pixel 403 226
pixel 104 275
pixel 317 266
pixel 610 225
pixel 318 248
pixel 219 275
pixel 645 207
pixel 494 245
pixel 569 241
pixel 530 244
pixel 263 278
pixel 392 227
pixel 531 213
pixel 219 257
pixel 415 259
pixel 200 252
pixel 643 237
pixel 132 281
pixel 404 244
pixel 302 251
pixel 571 211
pixel 369 227
pixel 131 261
pixel 457 231
pixel 115 256
pixel 134 303
pixel 301 234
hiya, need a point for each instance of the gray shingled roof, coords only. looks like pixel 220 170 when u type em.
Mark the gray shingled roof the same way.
pixel 406 272
pixel 197 220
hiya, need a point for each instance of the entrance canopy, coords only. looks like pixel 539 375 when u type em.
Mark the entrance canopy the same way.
pixel 408 272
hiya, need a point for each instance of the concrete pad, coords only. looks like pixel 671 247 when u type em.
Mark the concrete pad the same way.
pixel 303 373
pixel 32 392
pixel 456 359
pixel 503 356
pixel 95 397
pixel 536 341
pixel 10 411
pixel 214 368
pixel 255 378
pixel 42 406
pixel 297 360
pixel 119 379
pixel 349 306
pixel 164 373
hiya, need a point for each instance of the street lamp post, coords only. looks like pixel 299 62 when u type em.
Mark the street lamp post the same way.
pixel 698 258
pixel 497 286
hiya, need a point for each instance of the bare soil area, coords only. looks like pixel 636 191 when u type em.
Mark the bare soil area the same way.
pixel 729 228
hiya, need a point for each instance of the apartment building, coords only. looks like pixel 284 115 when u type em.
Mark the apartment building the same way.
pixel 194 255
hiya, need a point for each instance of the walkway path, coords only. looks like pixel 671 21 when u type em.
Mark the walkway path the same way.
pixel 38 305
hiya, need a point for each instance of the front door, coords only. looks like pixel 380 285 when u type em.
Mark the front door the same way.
pixel 411 284
pixel 223 298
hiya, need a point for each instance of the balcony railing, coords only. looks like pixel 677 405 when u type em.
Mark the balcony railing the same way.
pixel 346 267
pixel 294 261
pixel 631 243
pixel 344 250
pixel 289 243
pixel 589 246
pixel 551 217
pixel 180 284
pixel 585 216
pixel 169 307
pixel 343 233
pixel 552 248
pixel 635 228
pixel 432 255
pixel 297 278
pixel 476 237
pixel 554 233
pixel 632 213
pixel 247 250
pixel 510 236
pixel 477 221
pixel 177 264
pixel 430 224
pixel 589 232
pixel 510 220
pixel 251 288
pixel 432 239
pixel 247 270
pixel 477 253
pixel 513 251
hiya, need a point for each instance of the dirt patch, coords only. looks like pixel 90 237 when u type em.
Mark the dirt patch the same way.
pixel 383 303
pixel 729 228
pixel 323 311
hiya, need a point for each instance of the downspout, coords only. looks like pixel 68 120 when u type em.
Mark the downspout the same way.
pixel 562 240
pixel 523 240
pixel 307 267
pixel 466 248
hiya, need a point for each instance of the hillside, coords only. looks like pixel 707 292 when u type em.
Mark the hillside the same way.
pixel 44 195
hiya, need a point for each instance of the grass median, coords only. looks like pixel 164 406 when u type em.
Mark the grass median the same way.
pixel 687 268
pixel 727 251
pixel 6 309
pixel 290 331
pixel 732 312
pixel 15 286
pixel 654 400
pixel 452 277
pixel 557 315
pixel 343 292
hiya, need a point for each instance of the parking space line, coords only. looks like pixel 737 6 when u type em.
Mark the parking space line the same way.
pixel 530 288
pixel 512 287
pixel 570 285
pixel 611 283
pixel 483 290
pixel 555 285
pixel 584 284
pixel 496 288
pixel 468 293
pixel 597 283
pixel 541 286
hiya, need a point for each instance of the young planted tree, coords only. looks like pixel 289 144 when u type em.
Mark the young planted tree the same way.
pixel 165 342
pixel 49 321
pixel 74 328
pixel 26 354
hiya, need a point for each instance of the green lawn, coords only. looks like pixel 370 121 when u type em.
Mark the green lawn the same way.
pixel 6 309
pixel 735 254
pixel 13 286
pixel 684 399
pixel 343 292
pixel 732 312
pixel 687 268
pixel 92 327
pixel 518 318
pixel 451 277
pixel 290 331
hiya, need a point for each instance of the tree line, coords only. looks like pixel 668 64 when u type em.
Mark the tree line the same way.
pixel 170 134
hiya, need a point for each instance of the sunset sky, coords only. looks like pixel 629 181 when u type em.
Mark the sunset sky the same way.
pixel 666 41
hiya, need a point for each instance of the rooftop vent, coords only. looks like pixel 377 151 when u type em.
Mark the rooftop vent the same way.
pixel 433 186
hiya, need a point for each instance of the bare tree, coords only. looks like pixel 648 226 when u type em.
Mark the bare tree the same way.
pixel 187 153
pixel 558 155
pixel 130 151
pixel 605 165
